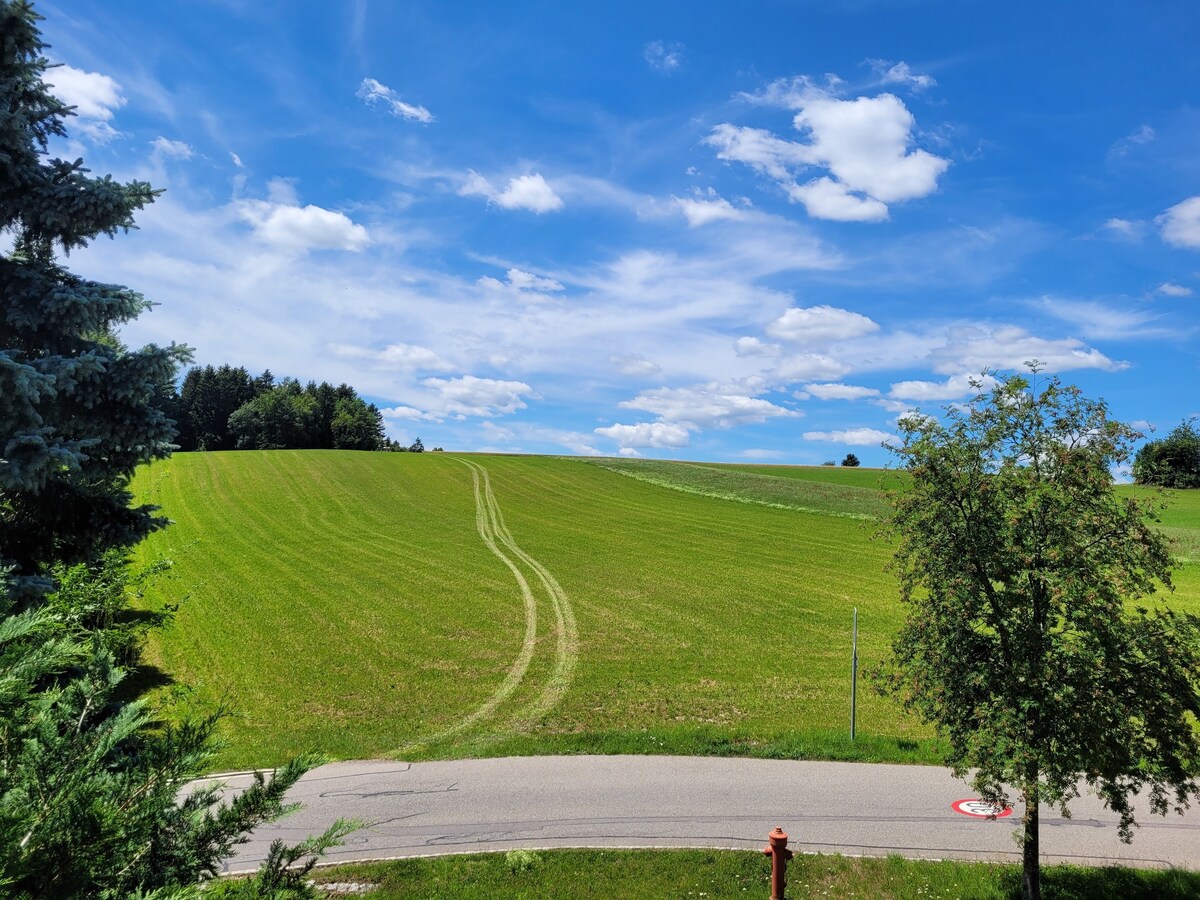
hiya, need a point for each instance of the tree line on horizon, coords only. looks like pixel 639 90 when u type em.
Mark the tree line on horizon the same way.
pixel 1172 461
pixel 226 408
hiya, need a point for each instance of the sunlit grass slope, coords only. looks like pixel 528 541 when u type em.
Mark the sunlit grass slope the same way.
pixel 820 489
pixel 372 604
pixel 347 602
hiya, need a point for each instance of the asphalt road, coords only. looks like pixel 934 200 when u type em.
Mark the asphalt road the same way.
pixel 429 808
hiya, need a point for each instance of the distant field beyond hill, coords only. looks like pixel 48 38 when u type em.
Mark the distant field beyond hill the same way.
pixel 428 605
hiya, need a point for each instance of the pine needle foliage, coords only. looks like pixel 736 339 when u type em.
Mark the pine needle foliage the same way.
pixel 88 779
pixel 76 407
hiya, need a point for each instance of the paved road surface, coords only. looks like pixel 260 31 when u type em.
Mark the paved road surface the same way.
pixel 422 809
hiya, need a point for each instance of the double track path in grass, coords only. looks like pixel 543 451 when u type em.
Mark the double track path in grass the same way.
pixel 447 605
pixel 489 520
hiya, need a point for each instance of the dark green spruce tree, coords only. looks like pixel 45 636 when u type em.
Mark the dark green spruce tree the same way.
pixel 75 406
pixel 87 791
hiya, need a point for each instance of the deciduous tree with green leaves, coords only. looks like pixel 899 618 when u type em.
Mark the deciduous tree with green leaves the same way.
pixel 1173 461
pixel 1033 641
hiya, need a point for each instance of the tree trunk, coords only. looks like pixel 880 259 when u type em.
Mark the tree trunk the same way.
pixel 1031 875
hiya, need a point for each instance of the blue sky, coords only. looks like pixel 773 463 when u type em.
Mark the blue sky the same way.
pixel 753 231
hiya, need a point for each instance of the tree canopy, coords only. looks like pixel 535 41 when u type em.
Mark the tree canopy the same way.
pixel 77 409
pixel 88 779
pixel 225 408
pixel 1173 462
pixel 1031 640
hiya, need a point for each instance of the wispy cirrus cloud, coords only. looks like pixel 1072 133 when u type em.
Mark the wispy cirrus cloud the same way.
pixel 634 364
pixel 1101 321
pixel 398 357
pixel 1139 137
pixel 169 149
pixel 375 93
pixel 663 57
pixel 900 73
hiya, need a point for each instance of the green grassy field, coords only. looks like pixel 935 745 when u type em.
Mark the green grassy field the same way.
pixel 436 605
pixel 728 874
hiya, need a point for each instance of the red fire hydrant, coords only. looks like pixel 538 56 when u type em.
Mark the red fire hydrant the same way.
pixel 780 854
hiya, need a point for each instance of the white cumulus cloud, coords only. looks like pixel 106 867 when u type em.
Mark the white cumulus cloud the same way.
pixel 855 437
pixel 1124 229
pixel 472 396
pixel 865 146
pixel 707 406
pixel 825 198
pixel 531 192
pixel 866 142
pixel 521 282
pixel 94 96
pixel 1171 289
pixel 292 227
pixel 405 412
pixel 836 391
pixel 953 388
pixel 973 348
pixel 699 211
pixel 820 324
pixel 1181 223
pixel 373 92
pixel 752 346
pixel 809 367
pixel 647 434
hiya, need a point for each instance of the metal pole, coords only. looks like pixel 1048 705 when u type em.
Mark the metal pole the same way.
pixel 853 673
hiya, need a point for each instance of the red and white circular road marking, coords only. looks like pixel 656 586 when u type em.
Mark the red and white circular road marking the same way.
pixel 980 809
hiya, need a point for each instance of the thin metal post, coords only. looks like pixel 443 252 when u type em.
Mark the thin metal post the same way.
pixel 853 674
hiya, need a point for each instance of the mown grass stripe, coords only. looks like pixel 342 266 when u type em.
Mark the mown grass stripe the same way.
pixel 380 618
pixel 567 635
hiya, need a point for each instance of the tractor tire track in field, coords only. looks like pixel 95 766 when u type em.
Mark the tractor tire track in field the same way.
pixel 566 630
pixel 489 522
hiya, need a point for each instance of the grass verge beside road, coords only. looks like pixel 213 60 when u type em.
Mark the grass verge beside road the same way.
pixel 726 874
